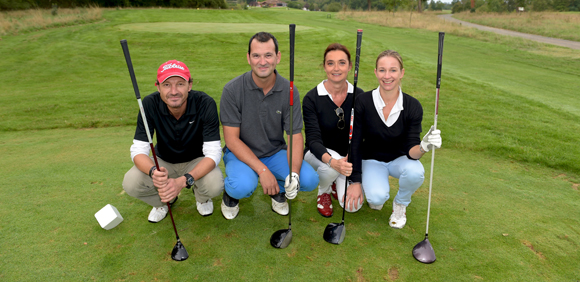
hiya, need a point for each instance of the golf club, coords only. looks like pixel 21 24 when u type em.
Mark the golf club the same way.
pixel 283 237
pixel 179 252
pixel 334 232
pixel 423 251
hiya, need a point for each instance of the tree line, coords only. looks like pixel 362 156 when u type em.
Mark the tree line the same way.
pixel 316 5
pixel 47 4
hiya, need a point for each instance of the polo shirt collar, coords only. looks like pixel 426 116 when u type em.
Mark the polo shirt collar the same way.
pixel 380 104
pixel 323 92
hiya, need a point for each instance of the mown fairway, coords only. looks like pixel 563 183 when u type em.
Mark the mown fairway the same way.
pixel 505 203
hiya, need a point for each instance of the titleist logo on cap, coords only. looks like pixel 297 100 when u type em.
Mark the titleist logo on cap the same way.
pixel 172 66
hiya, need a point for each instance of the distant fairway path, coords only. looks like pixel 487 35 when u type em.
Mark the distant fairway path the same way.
pixel 205 27
pixel 550 40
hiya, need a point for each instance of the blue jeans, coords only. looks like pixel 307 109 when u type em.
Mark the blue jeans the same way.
pixel 241 181
pixel 375 179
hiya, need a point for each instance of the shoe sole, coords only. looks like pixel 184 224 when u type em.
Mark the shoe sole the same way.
pixel 279 213
pixel 327 216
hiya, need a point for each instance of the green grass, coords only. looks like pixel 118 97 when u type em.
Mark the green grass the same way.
pixel 504 204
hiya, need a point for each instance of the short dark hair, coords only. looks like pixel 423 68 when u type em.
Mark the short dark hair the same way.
pixel 336 47
pixel 263 37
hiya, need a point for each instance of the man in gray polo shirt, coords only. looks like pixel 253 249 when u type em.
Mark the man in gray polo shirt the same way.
pixel 255 112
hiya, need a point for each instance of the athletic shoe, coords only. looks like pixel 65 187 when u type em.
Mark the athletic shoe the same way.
pixel 157 214
pixel 324 205
pixel 399 216
pixel 375 207
pixel 205 209
pixel 279 204
pixel 230 206
pixel 334 194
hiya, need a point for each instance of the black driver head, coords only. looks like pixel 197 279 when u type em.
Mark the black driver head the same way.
pixel 424 252
pixel 281 238
pixel 334 233
pixel 179 252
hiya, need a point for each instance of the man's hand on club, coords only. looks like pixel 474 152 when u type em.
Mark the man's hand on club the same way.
pixel 292 185
pixel 269 183
pixel 159 177
pixel 168 188
pixel 431 139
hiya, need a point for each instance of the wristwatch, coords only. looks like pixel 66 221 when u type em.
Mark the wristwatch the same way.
pixel 188 180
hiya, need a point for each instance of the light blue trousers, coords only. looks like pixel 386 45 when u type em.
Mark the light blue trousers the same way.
pixel 375 179
pixel 241 181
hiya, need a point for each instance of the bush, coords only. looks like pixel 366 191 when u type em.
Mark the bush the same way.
pixel 15 4
pixel 333 7
pixel 294 5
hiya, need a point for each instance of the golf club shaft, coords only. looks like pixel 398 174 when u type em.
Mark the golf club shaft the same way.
pixel 439 63
pixel 143 116
pixel 356 65
pixel 291 136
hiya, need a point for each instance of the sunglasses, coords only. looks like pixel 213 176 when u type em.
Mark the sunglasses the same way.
pixel 340 114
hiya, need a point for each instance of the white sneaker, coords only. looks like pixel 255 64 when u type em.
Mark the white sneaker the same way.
pixel 230 212
pixel 280 208
pixel 157 214
pixel 399 216
pixel 375 207
pixel 205 209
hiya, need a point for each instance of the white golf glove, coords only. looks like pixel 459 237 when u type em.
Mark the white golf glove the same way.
pixel 292 185
pixel 431 139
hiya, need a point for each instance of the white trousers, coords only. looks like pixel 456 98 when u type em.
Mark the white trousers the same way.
pixel 328 175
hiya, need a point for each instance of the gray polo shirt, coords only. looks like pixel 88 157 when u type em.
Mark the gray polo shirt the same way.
pixel 260 117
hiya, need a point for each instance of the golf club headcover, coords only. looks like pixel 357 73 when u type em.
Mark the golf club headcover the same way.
pixel 431 139
pixel 292 185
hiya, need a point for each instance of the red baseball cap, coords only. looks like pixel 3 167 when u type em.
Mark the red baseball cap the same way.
pixel 172 68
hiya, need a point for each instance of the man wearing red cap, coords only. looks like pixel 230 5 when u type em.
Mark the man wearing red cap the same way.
pixel 186 126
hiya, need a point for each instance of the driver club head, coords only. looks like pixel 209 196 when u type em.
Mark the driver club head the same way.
pixel 179 252
pixel 281 238
pixel 334 233
pixel 424 252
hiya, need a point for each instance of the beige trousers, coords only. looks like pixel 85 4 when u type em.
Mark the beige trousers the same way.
pixel 139 185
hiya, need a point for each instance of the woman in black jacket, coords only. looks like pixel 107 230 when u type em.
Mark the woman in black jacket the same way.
pixel 326 111
pixel 387 124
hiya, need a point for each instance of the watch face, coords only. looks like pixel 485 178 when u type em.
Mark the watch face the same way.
pixel 189 180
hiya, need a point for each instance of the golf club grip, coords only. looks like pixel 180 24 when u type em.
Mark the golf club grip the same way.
pixel 440 58
pixel 292 37
pixel 357 60
pixel 130 67
pixel 356 66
